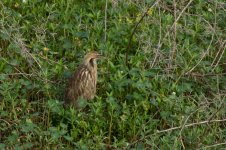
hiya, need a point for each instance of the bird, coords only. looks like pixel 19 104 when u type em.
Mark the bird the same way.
pixel 82 84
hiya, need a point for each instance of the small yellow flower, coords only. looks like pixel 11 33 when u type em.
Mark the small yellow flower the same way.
pixel 46 49
pixel 120 19
pixel 129 20
pixel 123 117
pixel 150 12
pixel 28 120
pixel 16 5
pixel 138 17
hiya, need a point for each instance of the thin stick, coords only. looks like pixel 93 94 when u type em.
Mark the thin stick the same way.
pixel 173 53
pixel 210 146
pixel 135 28
pixel 110 130
pixel 5 122
pixel 176 20
pixel 105 21
pixel 205 75
pixel 223 46
pixel 160 38
pixel 20 73
pixel 184 124
pixel 190 125
pixel 202 57
pixel 176 128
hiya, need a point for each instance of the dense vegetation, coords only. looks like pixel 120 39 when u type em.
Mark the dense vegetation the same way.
pixel 162 84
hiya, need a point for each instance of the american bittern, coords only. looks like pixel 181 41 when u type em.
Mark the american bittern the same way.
pixel 82 85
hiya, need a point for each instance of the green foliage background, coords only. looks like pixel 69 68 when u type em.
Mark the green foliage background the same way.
pixel 176 76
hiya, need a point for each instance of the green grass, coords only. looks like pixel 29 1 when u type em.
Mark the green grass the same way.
pixel 169 95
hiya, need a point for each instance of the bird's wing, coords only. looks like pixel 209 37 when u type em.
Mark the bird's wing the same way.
pixel 84 82
pixel 78 83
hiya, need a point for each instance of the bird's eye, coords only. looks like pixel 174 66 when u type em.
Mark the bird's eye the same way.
pixel 91 61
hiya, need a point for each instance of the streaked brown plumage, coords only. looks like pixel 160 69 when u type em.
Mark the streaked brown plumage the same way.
pixel 82 85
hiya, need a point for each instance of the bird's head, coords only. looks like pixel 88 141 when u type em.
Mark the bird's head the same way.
pixel 90 58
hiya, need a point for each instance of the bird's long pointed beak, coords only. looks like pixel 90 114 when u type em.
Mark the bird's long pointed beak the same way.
pixel 100 56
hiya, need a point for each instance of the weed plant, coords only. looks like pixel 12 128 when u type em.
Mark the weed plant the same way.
pixel 161 86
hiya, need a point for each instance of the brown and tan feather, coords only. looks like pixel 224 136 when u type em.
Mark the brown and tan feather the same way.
pixel 82 85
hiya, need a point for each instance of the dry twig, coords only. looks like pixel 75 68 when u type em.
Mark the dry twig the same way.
pixel 134 30
pixel 191 124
